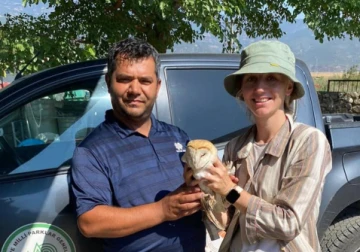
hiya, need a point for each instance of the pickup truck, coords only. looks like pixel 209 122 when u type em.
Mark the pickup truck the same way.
pixel 44 116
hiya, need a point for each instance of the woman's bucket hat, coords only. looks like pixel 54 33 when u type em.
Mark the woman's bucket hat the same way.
pixel 265 57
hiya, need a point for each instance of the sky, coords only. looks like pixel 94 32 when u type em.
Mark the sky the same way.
pixel 15 6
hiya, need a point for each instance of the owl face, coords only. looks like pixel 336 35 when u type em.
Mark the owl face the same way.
pixel 199 159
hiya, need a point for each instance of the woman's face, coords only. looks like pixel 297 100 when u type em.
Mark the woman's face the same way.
pixel 264 94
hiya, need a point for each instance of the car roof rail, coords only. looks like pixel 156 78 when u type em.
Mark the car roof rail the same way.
pixel 19 74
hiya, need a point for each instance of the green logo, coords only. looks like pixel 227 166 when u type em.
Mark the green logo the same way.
pixel 45 248
pixel 39 237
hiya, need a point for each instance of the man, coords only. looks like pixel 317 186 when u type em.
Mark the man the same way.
pixel 127 176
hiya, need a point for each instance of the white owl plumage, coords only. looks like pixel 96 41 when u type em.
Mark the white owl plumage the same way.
pixel 199 155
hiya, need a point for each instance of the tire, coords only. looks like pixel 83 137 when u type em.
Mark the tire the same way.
pixel 343 235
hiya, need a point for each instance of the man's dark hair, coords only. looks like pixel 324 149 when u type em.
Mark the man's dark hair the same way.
pixel 132 49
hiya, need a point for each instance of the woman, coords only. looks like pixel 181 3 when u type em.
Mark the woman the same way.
pixel 280 165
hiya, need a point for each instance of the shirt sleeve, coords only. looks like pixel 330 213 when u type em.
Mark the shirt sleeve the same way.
pixel 225 156
pixel 89 182
pixel 300 193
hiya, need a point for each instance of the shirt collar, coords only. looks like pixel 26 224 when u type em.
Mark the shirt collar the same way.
pixel 125 131
pixel 276 146
pixel 278 143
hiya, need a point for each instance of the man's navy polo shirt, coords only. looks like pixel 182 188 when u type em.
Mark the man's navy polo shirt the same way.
pixel 117 166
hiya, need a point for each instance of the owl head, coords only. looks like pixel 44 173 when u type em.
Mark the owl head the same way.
pixel 199 155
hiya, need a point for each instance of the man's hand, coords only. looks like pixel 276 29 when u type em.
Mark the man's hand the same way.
pixel 189 176
pixel 184 201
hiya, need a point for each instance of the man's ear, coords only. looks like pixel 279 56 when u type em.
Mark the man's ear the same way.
pixel 158 86
pixel 108 81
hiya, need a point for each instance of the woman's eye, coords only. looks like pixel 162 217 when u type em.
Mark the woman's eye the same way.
pixel 271 78
pixel 250 79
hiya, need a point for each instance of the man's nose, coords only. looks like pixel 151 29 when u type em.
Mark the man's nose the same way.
pixel 134 87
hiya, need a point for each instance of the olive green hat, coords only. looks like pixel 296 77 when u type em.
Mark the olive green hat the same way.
pixel 265 57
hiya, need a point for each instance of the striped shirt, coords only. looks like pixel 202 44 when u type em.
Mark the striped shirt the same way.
pixel 240 241
pixel 286 187
pixel 117 166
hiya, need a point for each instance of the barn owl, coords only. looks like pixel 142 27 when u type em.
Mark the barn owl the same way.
pixel 199 155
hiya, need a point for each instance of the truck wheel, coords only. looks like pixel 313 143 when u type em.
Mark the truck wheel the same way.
pixel 343 235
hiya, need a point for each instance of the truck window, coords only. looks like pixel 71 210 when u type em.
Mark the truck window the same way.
pixel 43 133
pixel 200 105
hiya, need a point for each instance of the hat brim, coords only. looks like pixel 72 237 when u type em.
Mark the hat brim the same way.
pixel 232 81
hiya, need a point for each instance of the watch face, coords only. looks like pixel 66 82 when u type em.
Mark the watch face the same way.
pixel 232 196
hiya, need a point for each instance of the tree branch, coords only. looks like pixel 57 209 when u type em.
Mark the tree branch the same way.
pixel 115 6
pixel 177 4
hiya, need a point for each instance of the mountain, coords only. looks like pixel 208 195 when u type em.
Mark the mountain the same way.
pixel 330 56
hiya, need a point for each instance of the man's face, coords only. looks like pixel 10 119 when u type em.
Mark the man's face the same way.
pixel 133 88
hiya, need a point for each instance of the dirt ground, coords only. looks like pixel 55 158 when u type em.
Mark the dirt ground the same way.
pixel 326 74
pixel 321 79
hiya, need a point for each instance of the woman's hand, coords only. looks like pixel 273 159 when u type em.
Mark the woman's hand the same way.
pixel 234 179
pixel 219 180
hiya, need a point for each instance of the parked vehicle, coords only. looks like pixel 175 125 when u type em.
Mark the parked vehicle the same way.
pixel 3 83
pixel 44 116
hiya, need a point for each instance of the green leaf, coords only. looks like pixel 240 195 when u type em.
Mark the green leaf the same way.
pixel 163 23
pixel 162 6
pixel 20 47
pixel 92 51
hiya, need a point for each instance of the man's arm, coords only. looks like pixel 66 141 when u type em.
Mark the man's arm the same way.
pixel 98 218
pixel 110 222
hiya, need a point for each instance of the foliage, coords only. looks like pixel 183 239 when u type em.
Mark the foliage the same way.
pixel 352 74
pixel 76 30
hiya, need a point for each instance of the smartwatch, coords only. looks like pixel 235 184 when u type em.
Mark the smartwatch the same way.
pixel 234 194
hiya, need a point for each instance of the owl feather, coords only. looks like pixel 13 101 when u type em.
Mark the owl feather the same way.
pixel 199 156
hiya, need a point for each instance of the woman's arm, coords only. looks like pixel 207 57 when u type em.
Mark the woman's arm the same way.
pixel 300 191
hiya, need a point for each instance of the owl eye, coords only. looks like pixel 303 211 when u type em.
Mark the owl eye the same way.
pixel 202 155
